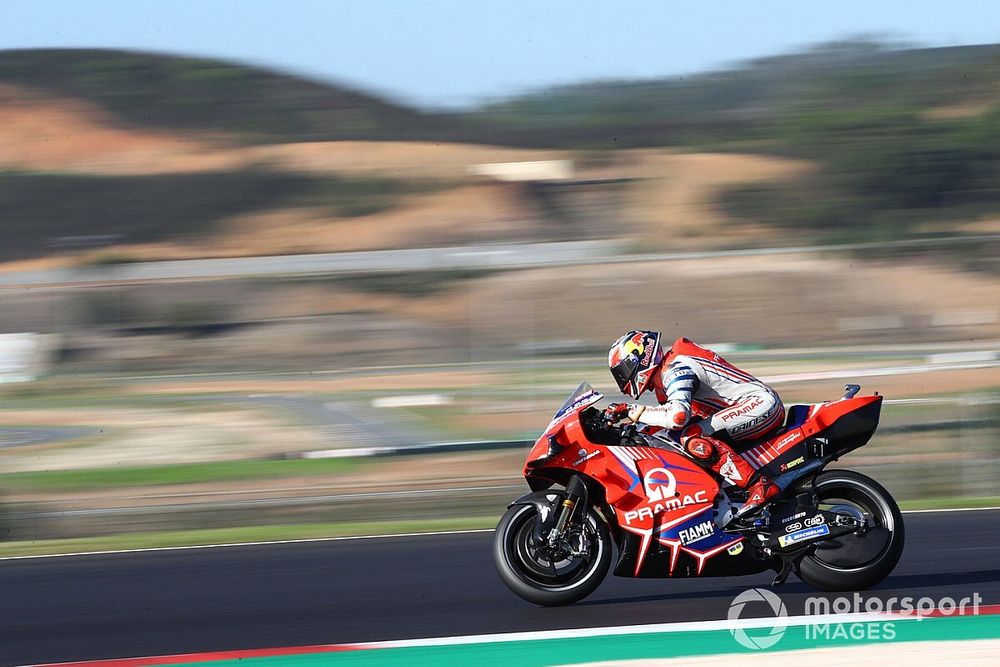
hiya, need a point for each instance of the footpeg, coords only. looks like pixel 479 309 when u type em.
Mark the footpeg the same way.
pixel 788 562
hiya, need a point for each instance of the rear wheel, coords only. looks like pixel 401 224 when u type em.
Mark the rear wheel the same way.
pixel 547 574
pixel 864 558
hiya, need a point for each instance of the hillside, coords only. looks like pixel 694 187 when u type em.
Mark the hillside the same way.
pixel 78 168
pixel 187 157
pixel 200 94
pixel 908 140
pixel 751 101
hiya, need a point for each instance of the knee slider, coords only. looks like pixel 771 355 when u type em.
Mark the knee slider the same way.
pixel 701 449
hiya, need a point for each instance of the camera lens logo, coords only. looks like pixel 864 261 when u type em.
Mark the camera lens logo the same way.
pixel 660 484
pixel 766 634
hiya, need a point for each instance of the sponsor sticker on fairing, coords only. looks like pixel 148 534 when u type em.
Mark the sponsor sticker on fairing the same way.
pixel 668 504
pixel 794 463
pixel 586 398
pixel 787 439
pixel 660 484
pixel 584 456
pixel 696 533
pixel 803 535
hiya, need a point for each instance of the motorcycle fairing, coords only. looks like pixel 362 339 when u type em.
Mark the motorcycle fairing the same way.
pixel 656 496
pixel 668 511
pixel 664 561
pixel 823 430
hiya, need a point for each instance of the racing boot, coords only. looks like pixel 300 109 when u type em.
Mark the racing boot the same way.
pixel 758 493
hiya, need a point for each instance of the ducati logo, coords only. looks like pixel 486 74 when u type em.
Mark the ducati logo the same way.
pixel 660 484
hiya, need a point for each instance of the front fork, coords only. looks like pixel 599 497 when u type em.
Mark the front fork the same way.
pixel 564 513
pixel 555 516
pixel 576 495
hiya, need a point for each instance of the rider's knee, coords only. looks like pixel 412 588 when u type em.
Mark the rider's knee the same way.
pixel 697 445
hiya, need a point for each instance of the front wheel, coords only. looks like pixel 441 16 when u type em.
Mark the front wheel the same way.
pixel 545 574
pixel 862 559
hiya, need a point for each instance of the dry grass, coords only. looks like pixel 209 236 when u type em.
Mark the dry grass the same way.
pixel 749 299
pixel 673 207
pixel 43 133
pixel 387 381
pixel 46 133
pixel 968 109
pixel 149 436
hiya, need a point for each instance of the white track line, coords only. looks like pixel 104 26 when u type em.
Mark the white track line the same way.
pixel 952 509
pixel 355 537
pixel 652 628
pixel 875 372
pixel 308 540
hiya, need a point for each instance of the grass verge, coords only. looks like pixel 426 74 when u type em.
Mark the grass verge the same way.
pixel 949 503
pixel 182 538
pixel 184 473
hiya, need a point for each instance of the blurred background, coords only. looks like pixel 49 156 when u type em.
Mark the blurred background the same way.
pixel 241 301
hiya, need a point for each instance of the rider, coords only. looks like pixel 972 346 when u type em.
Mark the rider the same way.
pixel 704 397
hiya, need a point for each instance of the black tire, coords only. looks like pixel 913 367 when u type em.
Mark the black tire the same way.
pixel 855 562
pixel 524 571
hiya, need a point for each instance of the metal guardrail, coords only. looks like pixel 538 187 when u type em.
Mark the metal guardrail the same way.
pixel 483 256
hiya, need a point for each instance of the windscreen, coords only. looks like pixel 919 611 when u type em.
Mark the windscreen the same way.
pixel 582 395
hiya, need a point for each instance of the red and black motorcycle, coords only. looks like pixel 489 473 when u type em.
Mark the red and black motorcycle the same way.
pixel 597 487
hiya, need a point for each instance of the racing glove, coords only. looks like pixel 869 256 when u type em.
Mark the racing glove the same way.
pixel 672 416
pixel 618 412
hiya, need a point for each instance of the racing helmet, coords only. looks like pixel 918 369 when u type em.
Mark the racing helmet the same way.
pixel 633 359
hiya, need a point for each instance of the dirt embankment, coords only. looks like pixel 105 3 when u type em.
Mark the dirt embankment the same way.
pixel 670 204
pixel 749 299
pixel 674 204
pixel 43 133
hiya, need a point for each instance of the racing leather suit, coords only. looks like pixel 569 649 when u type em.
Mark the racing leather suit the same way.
pixel 710 400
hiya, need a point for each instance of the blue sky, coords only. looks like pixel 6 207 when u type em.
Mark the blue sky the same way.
pixel 436 53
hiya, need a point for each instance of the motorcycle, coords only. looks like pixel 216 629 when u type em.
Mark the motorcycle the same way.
pixel 598 487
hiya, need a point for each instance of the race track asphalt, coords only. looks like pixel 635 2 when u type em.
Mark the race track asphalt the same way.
pixel 180 601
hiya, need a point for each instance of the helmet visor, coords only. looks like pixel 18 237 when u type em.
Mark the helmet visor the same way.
pixel 624 374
